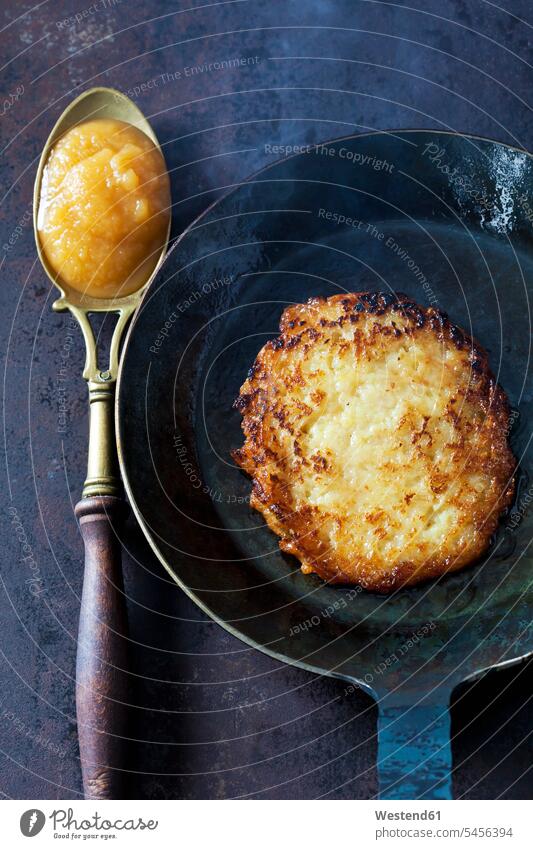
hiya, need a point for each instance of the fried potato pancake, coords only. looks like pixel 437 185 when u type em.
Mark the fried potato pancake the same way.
pixel 377 440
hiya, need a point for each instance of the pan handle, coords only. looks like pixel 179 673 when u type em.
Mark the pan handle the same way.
pixel 414 750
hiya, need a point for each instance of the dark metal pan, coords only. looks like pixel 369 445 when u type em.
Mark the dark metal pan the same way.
pixel 446 219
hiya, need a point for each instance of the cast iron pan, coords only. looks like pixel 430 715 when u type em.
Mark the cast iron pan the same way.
pixel 447 219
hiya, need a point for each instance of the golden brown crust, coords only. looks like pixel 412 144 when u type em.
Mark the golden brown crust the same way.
pixel 377 440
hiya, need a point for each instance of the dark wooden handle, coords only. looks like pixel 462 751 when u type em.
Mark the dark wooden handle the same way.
pixel 102 641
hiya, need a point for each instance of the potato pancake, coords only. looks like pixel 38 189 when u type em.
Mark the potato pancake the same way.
pixel 377 440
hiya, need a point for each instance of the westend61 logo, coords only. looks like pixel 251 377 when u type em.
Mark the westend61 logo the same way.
pixel 64 824
pixel 31 822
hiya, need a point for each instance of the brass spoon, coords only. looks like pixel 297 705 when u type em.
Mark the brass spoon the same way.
pixel 100 684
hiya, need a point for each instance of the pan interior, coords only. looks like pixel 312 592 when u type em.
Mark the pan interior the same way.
pixel 441 218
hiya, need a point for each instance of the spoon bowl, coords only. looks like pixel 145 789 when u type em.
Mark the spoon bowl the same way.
pixel 95 103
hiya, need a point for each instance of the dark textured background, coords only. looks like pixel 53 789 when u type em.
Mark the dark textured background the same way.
pixel 213 719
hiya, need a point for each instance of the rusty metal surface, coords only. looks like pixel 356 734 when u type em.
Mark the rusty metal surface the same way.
pixel 211 717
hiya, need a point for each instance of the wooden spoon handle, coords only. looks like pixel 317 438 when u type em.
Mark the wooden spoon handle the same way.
pixel 102 640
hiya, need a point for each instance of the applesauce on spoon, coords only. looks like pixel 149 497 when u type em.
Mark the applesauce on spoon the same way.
pixel 104 208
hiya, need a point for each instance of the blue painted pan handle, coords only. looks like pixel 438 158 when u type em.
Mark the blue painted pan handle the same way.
pixel 414 752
